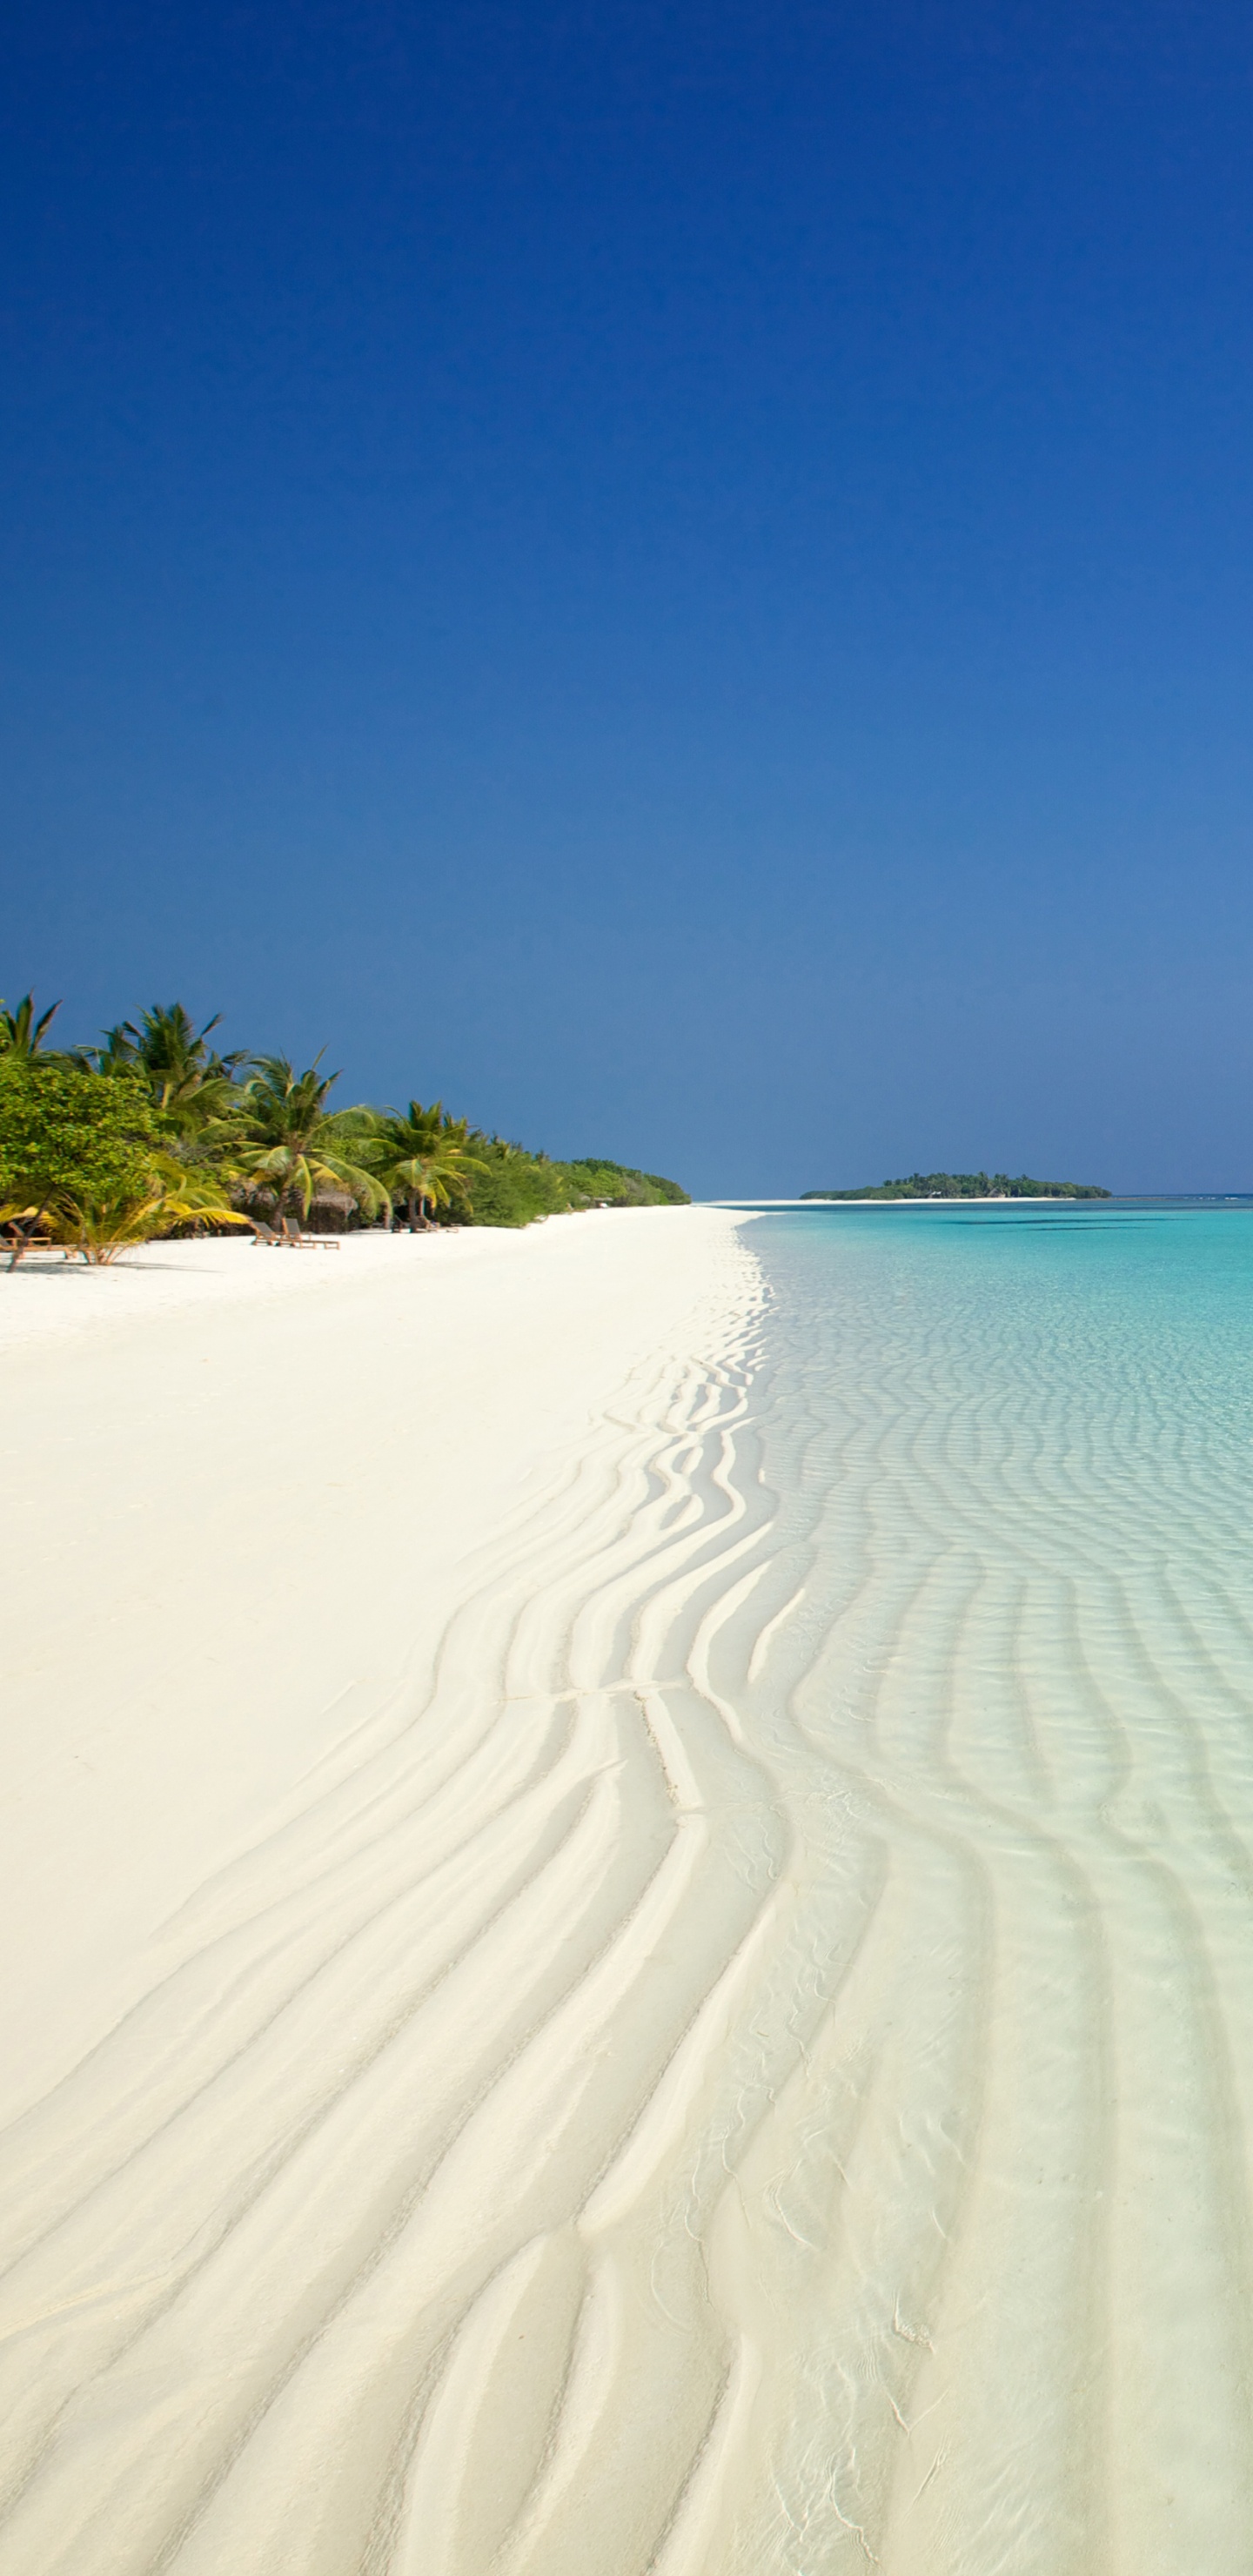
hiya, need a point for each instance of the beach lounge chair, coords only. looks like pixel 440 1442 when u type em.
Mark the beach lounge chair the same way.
pixel 294 1242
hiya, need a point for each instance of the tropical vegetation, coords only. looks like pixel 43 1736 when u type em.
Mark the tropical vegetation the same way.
pixel 153 1131
pixel 85 1162
pixel 21 1034
pixel 291 1148
pixel 427 1160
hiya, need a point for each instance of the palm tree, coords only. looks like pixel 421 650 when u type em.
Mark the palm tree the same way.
pixel 295 1146
pixel 21 1034
pixel 425 1159
pixel 190 1083
pixel 100 1225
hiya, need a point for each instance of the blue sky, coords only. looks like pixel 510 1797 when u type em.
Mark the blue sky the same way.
pixel 679 575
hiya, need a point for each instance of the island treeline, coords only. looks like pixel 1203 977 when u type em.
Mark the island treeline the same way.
pixel 154 1132
pixel 967 1185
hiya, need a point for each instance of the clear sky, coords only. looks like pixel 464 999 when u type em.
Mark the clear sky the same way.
pixel 680 575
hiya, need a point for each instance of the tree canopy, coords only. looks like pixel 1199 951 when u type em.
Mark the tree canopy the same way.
pixel 188 1082
pixel 68 1140
pixel 62 1128
pixel 425 1159
pixel 294 1146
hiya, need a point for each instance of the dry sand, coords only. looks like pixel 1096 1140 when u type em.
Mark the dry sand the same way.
pixel 353 1603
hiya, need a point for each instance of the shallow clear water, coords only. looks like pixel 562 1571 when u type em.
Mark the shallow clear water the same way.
pixel 1012 1452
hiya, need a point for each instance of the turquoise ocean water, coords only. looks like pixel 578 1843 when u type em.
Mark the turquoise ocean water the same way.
pixel 1010 1454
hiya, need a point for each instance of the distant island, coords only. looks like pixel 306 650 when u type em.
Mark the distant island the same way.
pixel 966 1185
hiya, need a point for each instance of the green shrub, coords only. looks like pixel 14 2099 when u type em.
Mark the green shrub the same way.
pixel 67 1135
pixel 512 1187
pixel 622 1186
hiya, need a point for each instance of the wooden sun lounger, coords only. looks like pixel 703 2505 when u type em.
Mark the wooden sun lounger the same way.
pixel 295 1242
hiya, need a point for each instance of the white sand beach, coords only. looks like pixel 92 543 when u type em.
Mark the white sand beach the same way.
pixel 344 1833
